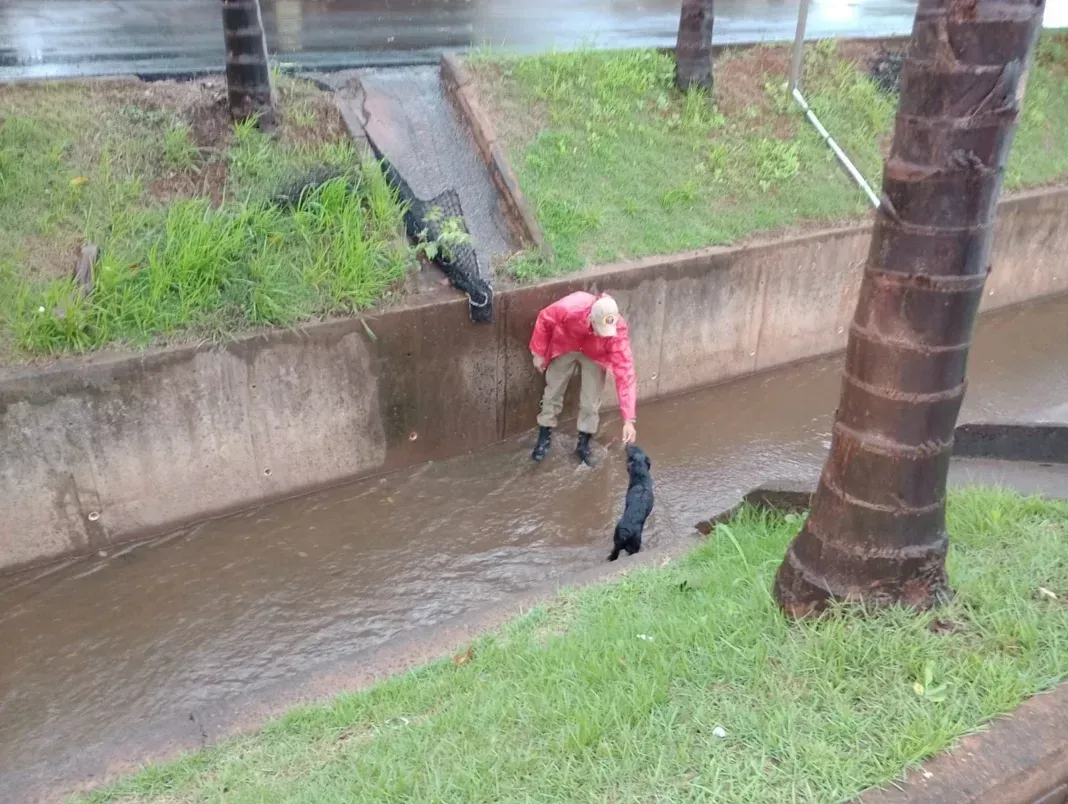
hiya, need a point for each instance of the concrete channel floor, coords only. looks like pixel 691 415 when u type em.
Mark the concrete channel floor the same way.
pixel 1046 480
pixel 160 645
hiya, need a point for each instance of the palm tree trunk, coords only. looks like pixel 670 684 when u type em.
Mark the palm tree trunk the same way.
pixel 248 75
pixel 693 49
pixel 876 532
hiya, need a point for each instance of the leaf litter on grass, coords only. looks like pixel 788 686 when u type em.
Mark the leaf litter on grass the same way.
pixel 723 699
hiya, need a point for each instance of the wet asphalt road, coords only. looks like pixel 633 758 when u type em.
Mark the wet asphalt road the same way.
pixel 63 38
pixel 59 38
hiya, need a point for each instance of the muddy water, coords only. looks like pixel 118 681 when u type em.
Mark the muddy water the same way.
pixel 95 654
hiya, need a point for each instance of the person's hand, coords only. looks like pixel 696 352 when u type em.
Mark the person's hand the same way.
pixel 539 363
pixel 629 433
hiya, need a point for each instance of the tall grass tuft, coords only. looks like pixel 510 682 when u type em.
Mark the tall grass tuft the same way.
pixel 192 243
pixel 195 267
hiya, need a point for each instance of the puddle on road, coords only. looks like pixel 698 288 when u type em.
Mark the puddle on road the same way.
pixel 95 650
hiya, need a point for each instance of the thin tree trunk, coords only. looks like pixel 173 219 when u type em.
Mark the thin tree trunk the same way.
pixel 876 532
pixel 693 49
pixel 248 74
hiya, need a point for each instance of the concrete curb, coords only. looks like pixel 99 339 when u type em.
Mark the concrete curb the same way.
pixel 886 42
pixel 788 497
pixel 1036 443
pixel 461 91
pixel 1022 759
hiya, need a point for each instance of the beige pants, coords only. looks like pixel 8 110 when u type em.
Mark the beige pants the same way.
pixel 557 375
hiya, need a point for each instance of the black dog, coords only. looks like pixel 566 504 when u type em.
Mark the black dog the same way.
pixel 628 535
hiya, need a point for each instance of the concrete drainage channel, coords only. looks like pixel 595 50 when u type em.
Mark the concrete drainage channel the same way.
pixel 128 429
pixel 160 645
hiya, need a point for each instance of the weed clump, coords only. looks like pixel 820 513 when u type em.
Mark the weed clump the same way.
pixel 204 228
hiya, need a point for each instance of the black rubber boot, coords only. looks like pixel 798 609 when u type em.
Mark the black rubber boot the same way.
pixel 585 450
pixel 545 439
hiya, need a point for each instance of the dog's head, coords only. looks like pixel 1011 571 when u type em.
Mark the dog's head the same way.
pixel 637 460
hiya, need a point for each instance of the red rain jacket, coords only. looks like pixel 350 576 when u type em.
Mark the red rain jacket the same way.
pixel 564 326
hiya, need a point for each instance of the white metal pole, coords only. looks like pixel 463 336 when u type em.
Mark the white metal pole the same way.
pixel 847 163
pixel 799 45
pixel 795 92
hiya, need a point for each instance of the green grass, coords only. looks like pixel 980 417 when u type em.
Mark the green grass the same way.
pixel 615 692
pixel 1040 150
pixel 179 201
pixel 618 164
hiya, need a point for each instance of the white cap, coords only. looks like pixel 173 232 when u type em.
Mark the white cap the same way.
pixel 604 316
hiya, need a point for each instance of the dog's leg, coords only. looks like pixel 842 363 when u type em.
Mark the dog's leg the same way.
pixel 617 544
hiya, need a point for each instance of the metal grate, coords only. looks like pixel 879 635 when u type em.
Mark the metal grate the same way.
pixel 460 265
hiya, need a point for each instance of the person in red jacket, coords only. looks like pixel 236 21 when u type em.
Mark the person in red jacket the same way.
pixel 586 332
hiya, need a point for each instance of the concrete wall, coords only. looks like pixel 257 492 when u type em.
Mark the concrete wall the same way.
pixel 95 452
